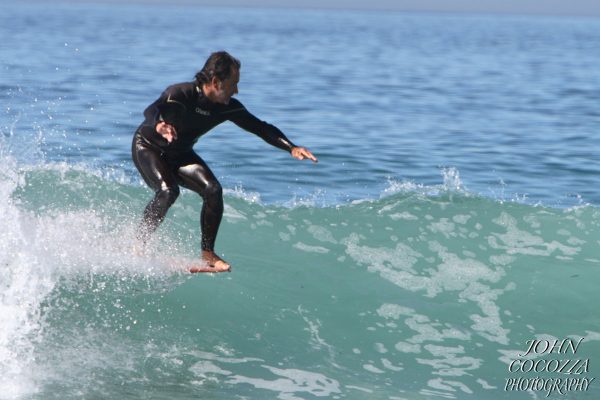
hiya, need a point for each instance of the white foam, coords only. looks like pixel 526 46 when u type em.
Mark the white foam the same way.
pixel 461 219
pixel 405 347
pixel 311 249
pixel 36 253
pixel 518 241
pixel 316 341
pixel 488 325
pixel 454 274
pixel 359 388
pixel 372 368
pixel 321 233
pixel 449 361
pixel 232 215
pixel 590 335
pixel 388 365
pixel 202 368
pixel 380 348
pixel 485 385
pixel 240 193
pixel 452 180
pixel 427 331
pixel 315 199
pixel 434 393
pixel 447 385
pixel 395 187
pixel 23 289
pixel 394 311
pixel 404 216
pixel 224 358
pixel 444 227
pixel 291 382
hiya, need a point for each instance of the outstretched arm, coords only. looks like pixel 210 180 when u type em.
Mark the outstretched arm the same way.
pixel 269 133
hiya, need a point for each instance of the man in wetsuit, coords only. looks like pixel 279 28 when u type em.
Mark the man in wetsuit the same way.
pixel 163 152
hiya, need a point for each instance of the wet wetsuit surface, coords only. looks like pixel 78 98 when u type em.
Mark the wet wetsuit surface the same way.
pixel 165 166
pixel 192 114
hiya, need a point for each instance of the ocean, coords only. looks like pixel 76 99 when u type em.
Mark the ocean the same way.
pixel 444 247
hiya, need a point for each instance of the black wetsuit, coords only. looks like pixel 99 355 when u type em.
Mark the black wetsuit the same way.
pixel 164 166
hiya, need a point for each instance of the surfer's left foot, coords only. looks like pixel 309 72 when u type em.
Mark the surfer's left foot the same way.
pixel 213 262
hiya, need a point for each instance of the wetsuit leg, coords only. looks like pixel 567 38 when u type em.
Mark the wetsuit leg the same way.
pixel 159 175
pixel 195 175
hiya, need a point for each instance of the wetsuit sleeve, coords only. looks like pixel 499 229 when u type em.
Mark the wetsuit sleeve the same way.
pixel 169 107
pixel 238 114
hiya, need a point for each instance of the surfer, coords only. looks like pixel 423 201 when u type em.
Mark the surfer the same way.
pixel 162 147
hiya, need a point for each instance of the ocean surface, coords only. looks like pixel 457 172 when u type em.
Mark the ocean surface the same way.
pixel 453 217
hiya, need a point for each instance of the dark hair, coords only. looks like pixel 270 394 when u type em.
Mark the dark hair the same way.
pixel 219 65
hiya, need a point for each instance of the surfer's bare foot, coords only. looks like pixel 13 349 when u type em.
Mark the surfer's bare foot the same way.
pixel 214 262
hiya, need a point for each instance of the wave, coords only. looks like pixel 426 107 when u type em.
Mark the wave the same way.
pixel 424 292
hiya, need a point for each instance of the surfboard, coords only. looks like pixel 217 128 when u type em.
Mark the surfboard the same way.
pixel 203 268
pixel 190 265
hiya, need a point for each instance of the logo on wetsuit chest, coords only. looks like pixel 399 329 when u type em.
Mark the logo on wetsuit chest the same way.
pixel 202 112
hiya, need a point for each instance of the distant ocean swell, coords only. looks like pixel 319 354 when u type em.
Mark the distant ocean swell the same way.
pixel 425 292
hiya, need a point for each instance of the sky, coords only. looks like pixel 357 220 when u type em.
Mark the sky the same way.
pixel 543 7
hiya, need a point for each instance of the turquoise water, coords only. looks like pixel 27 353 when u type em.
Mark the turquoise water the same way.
pixel 453 215
pixel 411 296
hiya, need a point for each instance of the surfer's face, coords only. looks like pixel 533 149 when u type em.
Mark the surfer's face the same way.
pixel 224 90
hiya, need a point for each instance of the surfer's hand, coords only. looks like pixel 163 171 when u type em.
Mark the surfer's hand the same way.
pixel 301 153
pixel 167 131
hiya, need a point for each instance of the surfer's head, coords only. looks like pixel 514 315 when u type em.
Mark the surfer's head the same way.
pixel 219 77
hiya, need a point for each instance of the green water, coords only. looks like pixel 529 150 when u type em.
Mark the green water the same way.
pixel 410 296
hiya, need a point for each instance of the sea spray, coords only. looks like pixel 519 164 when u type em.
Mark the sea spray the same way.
pixel 22 290
pixel 43 249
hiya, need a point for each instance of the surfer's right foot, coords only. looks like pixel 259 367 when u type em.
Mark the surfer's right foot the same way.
pixel 214 262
